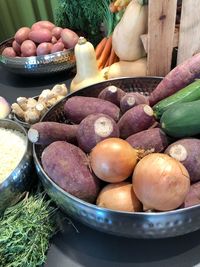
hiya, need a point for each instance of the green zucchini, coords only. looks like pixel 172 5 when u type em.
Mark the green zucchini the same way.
pixel 187 94
pixel 182 119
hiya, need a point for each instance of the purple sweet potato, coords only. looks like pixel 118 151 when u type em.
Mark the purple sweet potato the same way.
pixel 193 197
pixel 95 128
pixel 113 94
pixel 187 151
pixel 78 107
pixel 47 132
pixel 176 79
pixel 135 120
pixel 67 165
pixel 152 139
pixel 131 100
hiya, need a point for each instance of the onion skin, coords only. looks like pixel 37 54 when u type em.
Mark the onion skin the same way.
pixel 119 196
pixel 160 182
pixel 113 160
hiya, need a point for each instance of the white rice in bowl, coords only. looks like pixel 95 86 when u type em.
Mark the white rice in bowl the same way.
pixel 12 148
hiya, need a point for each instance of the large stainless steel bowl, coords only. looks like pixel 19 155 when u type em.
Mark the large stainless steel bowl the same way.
pixel 137 224
pixel 20 180
pixel 37 65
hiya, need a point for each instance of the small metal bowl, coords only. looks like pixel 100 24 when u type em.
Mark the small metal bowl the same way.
pixel 20 180
pixel 37 65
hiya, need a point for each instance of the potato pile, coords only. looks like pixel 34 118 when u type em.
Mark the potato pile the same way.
pixel 115 155
pixel 42 38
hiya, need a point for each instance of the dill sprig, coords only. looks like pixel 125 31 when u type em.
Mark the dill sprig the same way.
pixel 25 231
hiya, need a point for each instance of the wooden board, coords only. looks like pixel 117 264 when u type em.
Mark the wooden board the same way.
pixel 161 25
pixel 189 34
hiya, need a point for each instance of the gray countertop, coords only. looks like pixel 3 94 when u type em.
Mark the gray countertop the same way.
pixel 80 246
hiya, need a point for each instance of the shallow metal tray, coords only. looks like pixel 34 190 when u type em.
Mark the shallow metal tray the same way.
pixel 137 224
pixel 37 65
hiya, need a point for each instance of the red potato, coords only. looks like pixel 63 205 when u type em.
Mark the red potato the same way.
pixel 119 196
pixel 176 79
pixel 69 38
pixel 131 100
pixel 187 151
pixel 42 24
pixel 22 34
pixel 154 140
pixel 67 165
pixel 193 197
pixel 56 31
pixel 40 36
pixel 112 93
pixel 53 40
pixel 9 52
pixel 16 47
pixel 57 47
pixel 135 120
pixel 95 128
pixel 78 107
pixel 28 48
pixel 44 133
pixel 44 49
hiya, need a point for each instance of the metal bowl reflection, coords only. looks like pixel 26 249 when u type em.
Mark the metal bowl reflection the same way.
pixel 137 224
pixel 20 180
pixel 37 65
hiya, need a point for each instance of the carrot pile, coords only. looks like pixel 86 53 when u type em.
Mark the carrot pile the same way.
pixel 105 53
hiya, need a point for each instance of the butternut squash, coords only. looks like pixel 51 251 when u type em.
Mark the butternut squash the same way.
pixel 126 69
pixel 126 40
pixel 86 65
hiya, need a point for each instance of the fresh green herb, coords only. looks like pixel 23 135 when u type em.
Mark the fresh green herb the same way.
pixel 92 18
pixel 26 229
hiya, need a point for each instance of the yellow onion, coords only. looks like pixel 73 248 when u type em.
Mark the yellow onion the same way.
pixel 119 196
pixel 113 160
pixel 160 182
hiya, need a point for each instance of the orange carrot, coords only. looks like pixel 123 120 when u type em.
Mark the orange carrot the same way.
pixel 105 53
pixel 111 57
pixel 113 8
pixel 100 47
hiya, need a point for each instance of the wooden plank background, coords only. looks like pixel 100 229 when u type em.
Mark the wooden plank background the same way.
pixel 161 25
pixel 189 34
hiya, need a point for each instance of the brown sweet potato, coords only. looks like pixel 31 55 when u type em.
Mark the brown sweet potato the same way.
pixel 152 139
pixel 67 166
pixel 135 120
pixel 95 128
pixel 131 100
pixel 78 107
pixel 176 79
pixel 187 151
pixel 44 133
pixel 193 197
pixel 113 94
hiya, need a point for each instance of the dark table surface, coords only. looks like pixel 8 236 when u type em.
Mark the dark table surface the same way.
pixel 77 245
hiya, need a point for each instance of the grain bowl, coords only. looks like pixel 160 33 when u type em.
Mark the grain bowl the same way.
pixel 16 163
pixel 128 224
